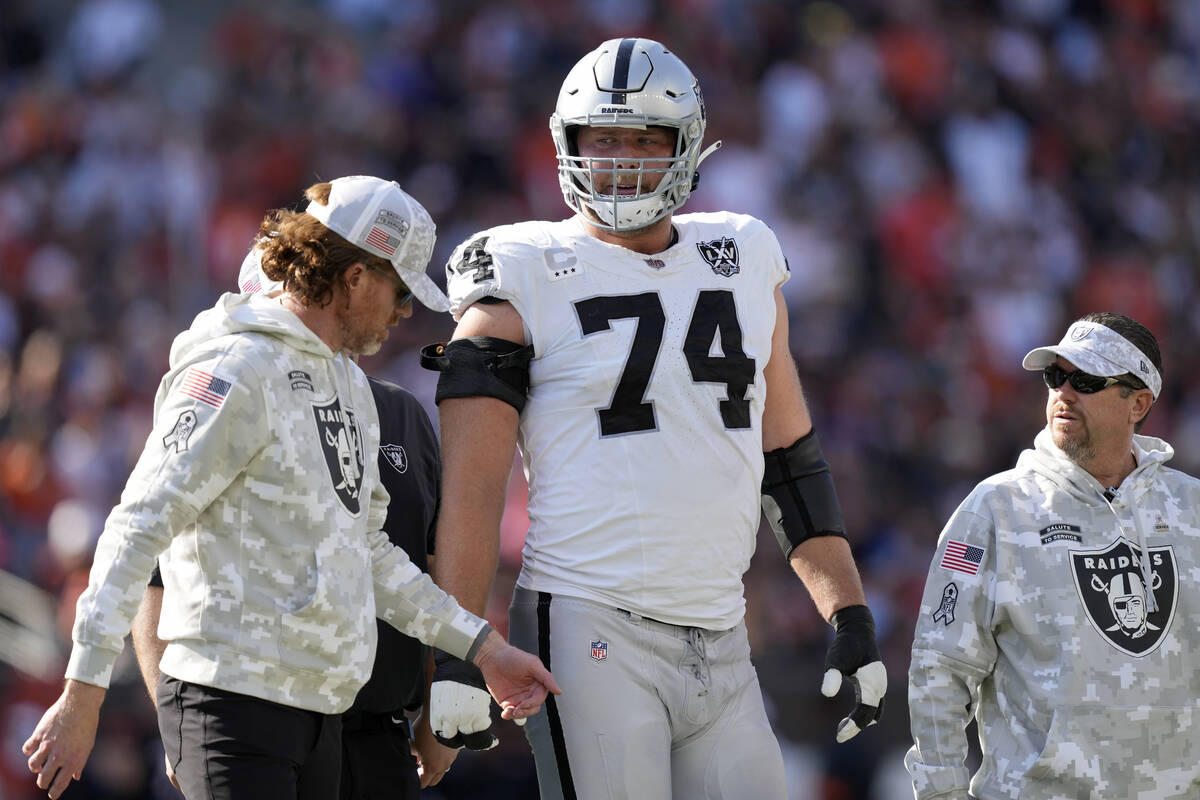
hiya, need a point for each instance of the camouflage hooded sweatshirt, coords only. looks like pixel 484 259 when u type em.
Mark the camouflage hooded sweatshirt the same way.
pixel 1079 659
pixel 254 489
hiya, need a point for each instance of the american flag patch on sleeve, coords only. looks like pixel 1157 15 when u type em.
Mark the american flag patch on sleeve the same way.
pixel 962 557
pixel 208 389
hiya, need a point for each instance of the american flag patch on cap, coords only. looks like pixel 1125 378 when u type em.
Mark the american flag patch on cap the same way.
pixel 962 557
pixel 208 389
pixel 379 239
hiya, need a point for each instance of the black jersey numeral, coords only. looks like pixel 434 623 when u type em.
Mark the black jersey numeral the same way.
pixel 628 413
pixel 715 316
pixel 476 261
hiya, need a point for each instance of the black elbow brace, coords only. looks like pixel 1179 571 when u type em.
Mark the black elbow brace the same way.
pixel 480 366
pixel 798 495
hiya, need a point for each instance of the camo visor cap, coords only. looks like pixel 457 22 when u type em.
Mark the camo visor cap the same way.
pixel 1097 350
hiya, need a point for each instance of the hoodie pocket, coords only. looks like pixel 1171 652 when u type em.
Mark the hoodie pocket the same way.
pixel 329 633
pixel 1099 753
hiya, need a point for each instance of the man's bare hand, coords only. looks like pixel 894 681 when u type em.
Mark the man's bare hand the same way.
pixel 63 739
pixel 517 679
pixel 433 759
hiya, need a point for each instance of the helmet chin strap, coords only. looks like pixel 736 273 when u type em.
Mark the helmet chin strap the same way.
pixel 708 151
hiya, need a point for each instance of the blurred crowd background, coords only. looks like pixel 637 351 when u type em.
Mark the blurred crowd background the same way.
pixel 953 182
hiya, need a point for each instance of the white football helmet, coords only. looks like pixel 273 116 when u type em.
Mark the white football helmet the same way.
pixel 629 83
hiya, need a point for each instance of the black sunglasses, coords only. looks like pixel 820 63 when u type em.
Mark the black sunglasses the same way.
pixel 404 295
pixel 1055 376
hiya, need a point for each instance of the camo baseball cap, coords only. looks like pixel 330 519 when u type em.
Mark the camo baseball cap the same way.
pixel 381 218
pixel 251 277
pixel 1099 350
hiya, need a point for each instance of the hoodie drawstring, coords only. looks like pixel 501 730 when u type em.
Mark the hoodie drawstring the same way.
pixel 352 471
pixel 1144 552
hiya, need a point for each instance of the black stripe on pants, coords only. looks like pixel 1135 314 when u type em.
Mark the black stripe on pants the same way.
pixel 556 731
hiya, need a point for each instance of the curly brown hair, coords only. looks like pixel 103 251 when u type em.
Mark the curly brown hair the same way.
pixel 305 255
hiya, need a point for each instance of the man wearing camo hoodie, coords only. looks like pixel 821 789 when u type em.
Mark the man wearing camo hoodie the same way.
pixel 259 493
pixel 1062 609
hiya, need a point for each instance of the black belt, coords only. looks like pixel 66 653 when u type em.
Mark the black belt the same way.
pixel 367 722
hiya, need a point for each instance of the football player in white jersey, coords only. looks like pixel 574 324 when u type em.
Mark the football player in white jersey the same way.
pixel 639 359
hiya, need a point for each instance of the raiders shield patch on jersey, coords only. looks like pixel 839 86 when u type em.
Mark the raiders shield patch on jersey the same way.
pixel 395 455
pixel 343 456
pixel 722 255
pixel 1116 596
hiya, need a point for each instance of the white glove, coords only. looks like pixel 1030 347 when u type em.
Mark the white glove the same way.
pixel 460 713
pixel 855 655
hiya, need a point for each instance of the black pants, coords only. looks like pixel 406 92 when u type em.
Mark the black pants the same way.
pixel 377 759
pixel 229 746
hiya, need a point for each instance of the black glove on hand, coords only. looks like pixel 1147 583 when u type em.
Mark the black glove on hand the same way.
pixel 853 653
pixel 460 707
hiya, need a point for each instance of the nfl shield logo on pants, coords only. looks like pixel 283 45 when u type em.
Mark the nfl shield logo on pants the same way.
pixel 599 650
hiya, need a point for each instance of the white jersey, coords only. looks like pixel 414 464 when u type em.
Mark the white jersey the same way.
pixel 642 435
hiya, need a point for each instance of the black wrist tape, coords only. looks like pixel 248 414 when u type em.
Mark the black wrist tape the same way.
pixel 449 668
pixel 853 617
